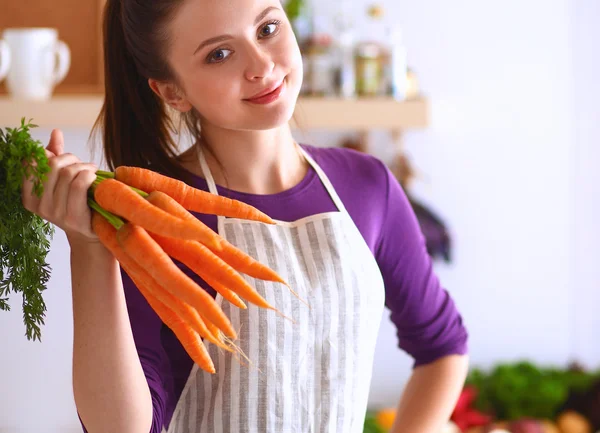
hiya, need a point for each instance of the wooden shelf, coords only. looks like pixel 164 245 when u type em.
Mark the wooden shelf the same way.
pixel 362 113
pixel 60 112
pixel 327 113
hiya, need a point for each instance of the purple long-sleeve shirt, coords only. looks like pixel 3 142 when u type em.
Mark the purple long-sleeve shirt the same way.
pixel 427 321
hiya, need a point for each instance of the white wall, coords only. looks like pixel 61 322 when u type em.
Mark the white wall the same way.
pixel 585 180
pixel 35 378
pixel 498 162
pixel 509 160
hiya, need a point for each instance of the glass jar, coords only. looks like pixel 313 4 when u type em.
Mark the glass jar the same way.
pixel 369 70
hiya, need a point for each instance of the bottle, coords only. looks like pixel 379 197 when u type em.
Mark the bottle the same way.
pixel 321 59
pixel 347 74
pixel 346 40
pixel 370 55
pixel 369 72
pixel 397 67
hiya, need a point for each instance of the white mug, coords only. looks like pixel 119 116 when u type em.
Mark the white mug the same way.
pixel 4 59
pixel 39 61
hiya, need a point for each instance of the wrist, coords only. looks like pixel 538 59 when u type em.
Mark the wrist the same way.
pixel 82 244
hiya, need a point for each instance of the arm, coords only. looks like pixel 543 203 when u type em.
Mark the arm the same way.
pixel 430 395
pixel 110 389
pixel 429 325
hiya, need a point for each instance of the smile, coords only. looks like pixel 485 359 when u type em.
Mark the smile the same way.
pixel 271 96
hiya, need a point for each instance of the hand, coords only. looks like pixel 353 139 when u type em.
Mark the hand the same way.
pixel 64 201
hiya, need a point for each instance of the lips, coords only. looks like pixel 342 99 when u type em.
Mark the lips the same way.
pixel 268 90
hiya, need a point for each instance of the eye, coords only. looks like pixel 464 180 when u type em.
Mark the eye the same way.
pixel 269 29
pixel 218 55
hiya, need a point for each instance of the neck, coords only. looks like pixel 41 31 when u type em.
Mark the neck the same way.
pixel 256 162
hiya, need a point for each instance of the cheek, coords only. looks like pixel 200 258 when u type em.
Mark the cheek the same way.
pixel 288 59
pixel 290 55
pixel 212 89
pixel 216 96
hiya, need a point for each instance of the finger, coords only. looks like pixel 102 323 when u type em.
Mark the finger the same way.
pixel 57 142
pixel 30 200
pixel 56 165
pixel 65 184
pixel 77 207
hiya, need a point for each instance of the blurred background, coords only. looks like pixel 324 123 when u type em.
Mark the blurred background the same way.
pixel 488 113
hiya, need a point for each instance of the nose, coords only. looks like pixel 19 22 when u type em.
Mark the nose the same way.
pixel 260 63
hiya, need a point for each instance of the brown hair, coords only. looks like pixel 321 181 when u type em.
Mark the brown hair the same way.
pixel 134 123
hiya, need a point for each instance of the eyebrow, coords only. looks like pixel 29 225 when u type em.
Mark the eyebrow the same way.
pixel 222 38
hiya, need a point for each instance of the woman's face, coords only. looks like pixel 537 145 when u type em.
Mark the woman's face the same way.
pixel 237 62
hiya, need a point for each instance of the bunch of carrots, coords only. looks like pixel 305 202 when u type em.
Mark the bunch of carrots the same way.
pixel 143 218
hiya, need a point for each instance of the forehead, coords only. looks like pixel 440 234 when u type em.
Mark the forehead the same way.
pixel 214 17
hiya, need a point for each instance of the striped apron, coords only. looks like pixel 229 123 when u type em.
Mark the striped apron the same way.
pixel 309 375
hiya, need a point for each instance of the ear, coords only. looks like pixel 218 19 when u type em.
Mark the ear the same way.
pixel 169 93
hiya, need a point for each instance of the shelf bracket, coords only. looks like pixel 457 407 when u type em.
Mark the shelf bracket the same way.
pixel 398 140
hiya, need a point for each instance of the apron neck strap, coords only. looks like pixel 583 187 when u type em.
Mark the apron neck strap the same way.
pixel 212 187
pixel 324 179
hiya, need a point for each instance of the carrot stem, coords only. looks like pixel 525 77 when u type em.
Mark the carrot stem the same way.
pixel 101 178
pixel 114 220
pixel 118 198
pixel 140 192
pixel 105 174
pixel 96 182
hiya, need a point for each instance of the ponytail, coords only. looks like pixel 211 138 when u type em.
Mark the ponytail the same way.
pixel 134 124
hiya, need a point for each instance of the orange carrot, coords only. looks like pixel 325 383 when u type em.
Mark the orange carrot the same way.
pixel 220 270
pixel 185 251
pixel 142 248
pixel 117 198
pixel 246 264
pixel 190 198
pixel 190 317
pixel 190 340
pixel 236 258
pixel 216 332
pixel 148 286
pixel 225 292
pixel 183 331
pixel 187 314
pixel 210 267
pixel 213 329
pixel 219 335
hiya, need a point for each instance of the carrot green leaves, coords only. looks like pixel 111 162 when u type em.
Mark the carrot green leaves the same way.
pixel 24 236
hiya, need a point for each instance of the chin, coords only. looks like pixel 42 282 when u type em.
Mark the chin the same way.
pixel 271 119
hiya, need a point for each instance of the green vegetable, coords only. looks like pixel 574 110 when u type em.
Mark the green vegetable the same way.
pixel 515 390
pixel 371 424
pixel 298 13
pixel 24 236
pixel 293 8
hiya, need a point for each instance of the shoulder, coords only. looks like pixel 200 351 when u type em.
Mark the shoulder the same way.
pixel 360 170
pixel 363 183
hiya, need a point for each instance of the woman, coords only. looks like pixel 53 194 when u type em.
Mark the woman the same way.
pixel 346 239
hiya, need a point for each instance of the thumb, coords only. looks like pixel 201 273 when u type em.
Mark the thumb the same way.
pixel 56 146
